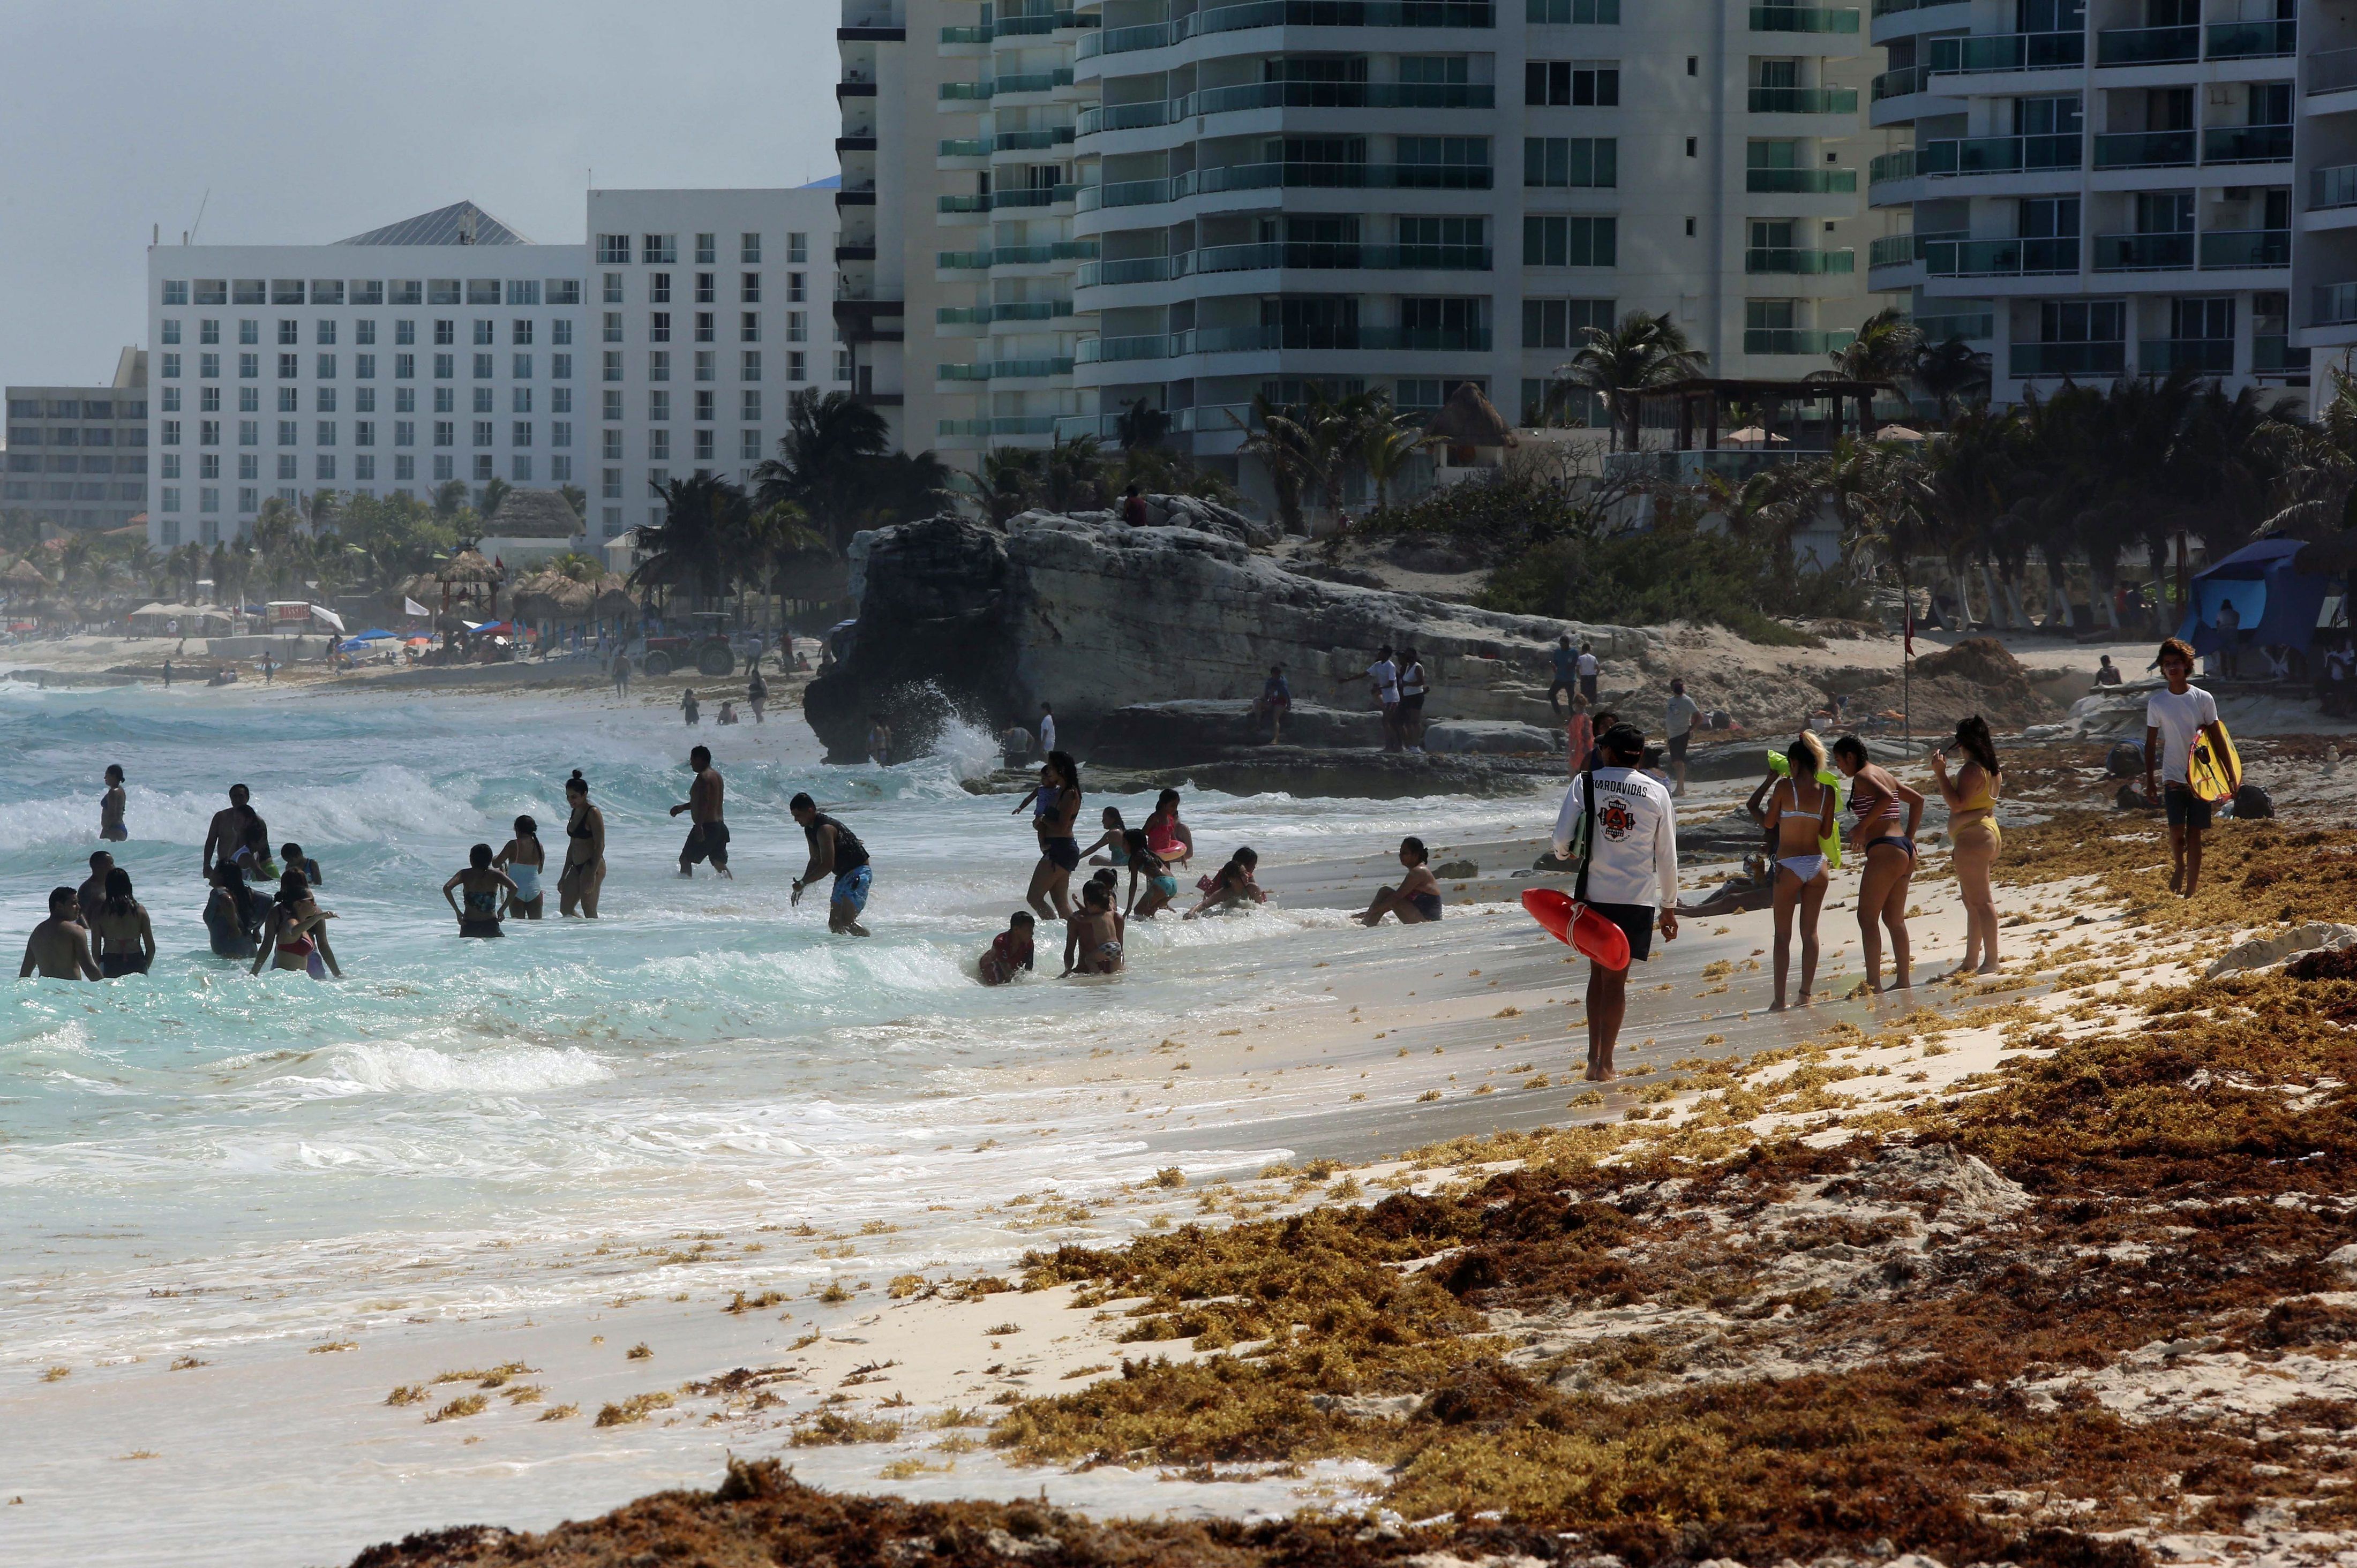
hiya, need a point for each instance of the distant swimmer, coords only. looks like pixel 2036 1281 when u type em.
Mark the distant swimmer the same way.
pixel 295 935
pixel 1229 887
pixel 484 888
pixel 1093 936
pixel 110 806
pixel 1010 951
pixel 58 948
pixel 1146 866
pixel 90 897
pixel 585 852
pixel 1417 897
pixel 1632 869
pixel 1800 813
pixel 126 941
pixel 836 851
pixel 707 837
pixel 228 829
pixel 728 712
pixel 234 913
pixel 1049 895
pixel 522 857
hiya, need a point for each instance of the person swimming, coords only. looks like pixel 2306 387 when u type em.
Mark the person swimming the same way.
pixel 1161 886
pixel 1416 899
pixel 126 940
pixel 291 856
pixel 522 857
pixel 1229 887
pixel 1009 950
pixel 110 806
pixel 480 915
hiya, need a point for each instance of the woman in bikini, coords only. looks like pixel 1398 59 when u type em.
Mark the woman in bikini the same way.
pixel 585 852
pixel 523 858
pixel 1888 815
pixel 479 916
pixel 110 806
pixel 295 936
pixel 1417 897
pixel 1973 838
pixel 126 942
pixel 1161 886
pixel 1060 852
pixel 1166 835
pixel 1113 840
pixel 1801 814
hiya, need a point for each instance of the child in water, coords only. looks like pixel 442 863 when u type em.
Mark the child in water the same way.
pixel 1161 886
pixel 1009 950
pixel 523 857
pixel 1093 936
pixel 729 713
pixel 292 857
pixel 1229 887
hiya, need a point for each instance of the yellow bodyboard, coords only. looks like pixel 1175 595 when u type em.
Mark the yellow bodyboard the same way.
pixel 2210 770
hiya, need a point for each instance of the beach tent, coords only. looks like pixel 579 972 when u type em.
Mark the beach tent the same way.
pixel 2277 603
pixel 374 634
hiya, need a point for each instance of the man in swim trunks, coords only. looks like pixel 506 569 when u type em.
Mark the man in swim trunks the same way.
pixel 707 837
pixel 1632 869
pixel 836 851
pixel 1683 713
pixel 59 946
pixel 2172 719
pixel 90 897
pixel 228 829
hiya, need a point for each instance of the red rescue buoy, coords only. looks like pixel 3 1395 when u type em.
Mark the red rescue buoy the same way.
pixel 1577 925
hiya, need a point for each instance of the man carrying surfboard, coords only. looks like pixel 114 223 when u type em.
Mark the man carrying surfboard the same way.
pixel 1632 875
pixel 2176 721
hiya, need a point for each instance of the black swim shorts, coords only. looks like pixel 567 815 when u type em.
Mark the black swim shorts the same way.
pixel 708 841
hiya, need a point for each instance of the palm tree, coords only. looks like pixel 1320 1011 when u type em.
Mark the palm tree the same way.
pixel 1141 424
pixel 2317 489
pixel 495 494
pixel 1883 352
pixel 449 497
pixel 1947 372
pixel 831 444
pixel 1282 443
pixel 1384 453
pixel 1009 482
pixel 706 520
pixel 576 498
pixel 1644 350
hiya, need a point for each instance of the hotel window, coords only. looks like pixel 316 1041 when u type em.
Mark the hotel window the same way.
pixel 1571 84
pixel 707 365
pixel 705 327
pixel 1561 162
pixel 1563 323
pixel 704 407
pixel 521 434
pixel 327 367
pixel 404 367
pixel 843 364
pixel 249 331
pixel 289 334
pixel 749 250
pixel 327 333
pixel 404 468
pixel 560 400
pixel 613 250
pixel 290 399
pixel 609 444
pixel 208 331
pixel 609 483
pixel 446 366
pixel 794 294
pixel 658 443
pixel 1577 13
pixel 612 327
pixel 403 332
pixel 613 364
pixel 325 433
pixel 749 446
pixel 482 367
pixel 1569 241
pixel 704 446
pixel 520 367
pixel 560 366
pixel 323 467
pixel 797 327
pixel 249 499
pixel 176 291
pixel 171 333
pixel 657 364
pixel 445 433
pixel 208 401
pixel 659 326
pixel 564 291
pixel 363 432
pixel 612 294
pixel 658 288
pixel 748 367
pixel 749 288
pixel 171 499
pixel 209 467
pixel 404 433
pixel 486 333
pixel 444 470
pixel 289 432
pixel 483 466
pixel 520 333
pixel 408 291
pixel 613 408
pixel 364 332
pixel 171 367
pixel 209 365
pixel 797 247
pixel 404 400
pixel 482 399
pixel 521 466
pixel 446 334
pixel 794 366
pixel 748 327
pixel 658 407
pixel 560 433
pixel 707 249
pixel 208 432
pixel 249 433
pixel 364 400
pixel 704 285
pixel 485 433
pixel 518 400
pixel 523 291
pixel 249 367
pixel 249 466
pixel 364 466
pixel 748 407
pixel 209 499
pixel 364 367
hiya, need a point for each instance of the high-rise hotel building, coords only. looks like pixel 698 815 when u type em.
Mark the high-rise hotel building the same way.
pixel 1051 213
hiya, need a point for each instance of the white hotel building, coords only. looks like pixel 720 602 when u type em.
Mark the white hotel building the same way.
pixel 1062 210
pixel 468 352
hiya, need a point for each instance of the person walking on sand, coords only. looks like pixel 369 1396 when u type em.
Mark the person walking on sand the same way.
pixel 228 829
pixel 523 858
pixel 1973 838
pixel 2173 720
pixel 1683 713
pixel 835 850
pixel 58 948
pixel 1566 672
pixel 688 711
pixel 90 897
pixel 1801 814
pixel 1383 685
pixel 1889 815
pixel 1417 897
pixel 708 834
pixel 585 852
pixel 126 941
pixel 485 888
pixel 1632 869
pixel 110 806
pixel 1059 850
pixel 1414 688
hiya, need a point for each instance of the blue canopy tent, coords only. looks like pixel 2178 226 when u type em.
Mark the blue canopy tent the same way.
pixel 2277 603
pixel 373 635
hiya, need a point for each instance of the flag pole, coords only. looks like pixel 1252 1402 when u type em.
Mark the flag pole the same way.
pixel 1907 674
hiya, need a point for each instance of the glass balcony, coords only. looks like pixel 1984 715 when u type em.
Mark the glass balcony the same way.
pixel 1003 424
pixel 1999 155
pixel 2159 356
pixel 1891 251
pixel 2147 46
pixel 1031 140
pixel 1797 261
pixel 2001 258
pixel 2252 40
pixel 966 35
pixel 961 203
pixel 2246 144
pixel 1032 81
pixel 1901 165
pixel 964 92
pixel 1343 176
pixel 2232 248
pixel 1892 7
pixel 1800 181
pixel 2008 51
pixel 1029 310
pixel 1337 95
pixel 1972 327
pixel 2272 351
pixel 2335 305
pixel 1338 14
pixel 2068 360
pixel 2332 70
pixel 2143 253
pixel 1896 83
pixel 1037 195
pixel 1802 19
pixel 2334 187
pixel 1121 117
pixel 2145 149
pixel 1005 369
pixel 1804 101
pixel 1016 256
pixel 1311 256
pixel 964 147
pixel 1795 341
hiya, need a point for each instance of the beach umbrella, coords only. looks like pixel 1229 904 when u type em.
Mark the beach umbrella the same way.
pixel 1897 433
pixel 1752 436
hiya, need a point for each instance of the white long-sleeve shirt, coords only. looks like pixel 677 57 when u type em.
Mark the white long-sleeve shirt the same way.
pixel 1636 849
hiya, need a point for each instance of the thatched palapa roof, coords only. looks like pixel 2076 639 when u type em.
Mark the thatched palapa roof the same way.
pixel 469 566
pixel 1469 419
pixel 534 514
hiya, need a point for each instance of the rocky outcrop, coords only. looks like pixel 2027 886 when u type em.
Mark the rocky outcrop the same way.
pixel 1095 616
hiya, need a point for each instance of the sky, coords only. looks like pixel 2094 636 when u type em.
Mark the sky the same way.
pixel 312 120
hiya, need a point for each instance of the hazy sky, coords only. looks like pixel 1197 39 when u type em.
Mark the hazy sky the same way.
pixel 311 120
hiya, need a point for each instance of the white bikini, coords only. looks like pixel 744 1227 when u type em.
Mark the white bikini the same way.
pixel 1807 868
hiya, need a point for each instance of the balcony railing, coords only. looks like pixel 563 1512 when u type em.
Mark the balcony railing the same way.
pixel 1005 369
pixel 1212 418
pixel 1031 140
pixel 962 204
pixel 1004 425
pixel 1297 14
pixel 1266 340
pixel 2006 51
pixel 1121 117
pixel 2145 149
pixel 1017 310
pixel 2246 144
pixel 1973 327
pixel 2001 258
pixel 1804 101
pixel 1800 181
pixel 2226 249
pixel 2143 253
pixel 2068 360
pixel 1901 165
pixel 1896 83
pixel 2332 70
pixel 2252 40
pixel 1032 81
pixel 2271 351
pixel 1794 261
pixel 1999 155
pixel 1802 19
pixel 1795 341
pixel 1271 176
pixel 2147 46
pixel 2159 356
pixel 2335 305
pixel 1337 95
pixel 1324 257
pixel 1892 250
pixel 1014 255
pixel 2333 186
pixel 1033 196
pixel 1892 7
pixel 965 147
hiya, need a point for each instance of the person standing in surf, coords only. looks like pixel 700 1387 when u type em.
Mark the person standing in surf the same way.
pixel 2173 719
pixel 1060 852
pixel 1632 870
pixel 523 858
pixel 126 941
pixel 484 887
pixel 110 807
pixel 836 852
pixel 585 852
pixel 707 837
pixel 295 936
pixel 58 948
pixel 227 830
pixel 90 897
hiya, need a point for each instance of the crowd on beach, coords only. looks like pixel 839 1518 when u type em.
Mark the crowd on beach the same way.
pixel 1617 823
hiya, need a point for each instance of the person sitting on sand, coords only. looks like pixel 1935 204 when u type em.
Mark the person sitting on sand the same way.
pixel 1801 814
pixel 126 941
pixel 1888 816
pixel 58 948
pixel 523 857
pixel 1229 887
pixel 484 887
pixel 1093 936
pixel 1113 840
pixel 1166 835
pixel 1417 897
pixel 1161 886
pixel 295 935
pixel 1009 950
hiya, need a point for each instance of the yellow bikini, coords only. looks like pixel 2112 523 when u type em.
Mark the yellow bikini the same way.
pixel 1975 821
